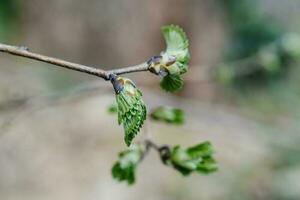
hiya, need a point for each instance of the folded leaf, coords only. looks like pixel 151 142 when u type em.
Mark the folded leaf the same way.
pixel 208 165
pixel 173 62
pixel 168 115
pixel 204 149
pixel 194 159
pixel 177 45
pixel 171 83
pixel 131 108
pixel 124 168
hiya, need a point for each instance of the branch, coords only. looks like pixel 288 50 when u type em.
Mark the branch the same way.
pixel 130 69
pixel 24 52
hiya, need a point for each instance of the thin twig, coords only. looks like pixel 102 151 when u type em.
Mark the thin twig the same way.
pixel 152 144
pixel 24 52
pixel 130 69
pixel 148 145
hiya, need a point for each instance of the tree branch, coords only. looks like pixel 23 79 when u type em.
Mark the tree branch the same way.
pixel 24 52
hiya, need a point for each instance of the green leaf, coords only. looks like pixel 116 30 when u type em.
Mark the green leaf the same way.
pixel 177 45
pixel 198 158
pixel 131 108
pixel 168 115
pixel 290 45
pixel 204 149
pixel 173 62
pixel 208 165
pixel 124 169
pixel 112 108
pixel 171 83
pixel 181 161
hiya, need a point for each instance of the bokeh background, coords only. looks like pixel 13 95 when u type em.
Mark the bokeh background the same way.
pixel 242 93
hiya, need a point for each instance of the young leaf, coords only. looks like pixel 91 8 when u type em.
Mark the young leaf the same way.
pixel 168 115
pixel 124 168
pixel 177 45
pixel 112 108
pixel 197 158
pixel 173 62
pixel 131 108
pixel 204 149
pixel 171 83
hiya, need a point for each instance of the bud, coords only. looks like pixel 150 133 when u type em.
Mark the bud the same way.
pixel 173 62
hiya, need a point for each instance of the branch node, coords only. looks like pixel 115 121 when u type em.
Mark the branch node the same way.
pixel 165 153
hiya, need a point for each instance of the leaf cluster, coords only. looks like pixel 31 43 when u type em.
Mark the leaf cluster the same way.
pixel 173 62
pixel 168 114
pixel 198 158
pixel 131 109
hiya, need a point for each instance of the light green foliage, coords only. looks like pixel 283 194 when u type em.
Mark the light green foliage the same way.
pixel 197 158
pixel 290 45
pixel 269 60
pixel 249 28
pixel 173 62
pixel 168 114
pixel 259 50
pixel 9 18
pixel 225 74
pixel 124 168
pixel 131 108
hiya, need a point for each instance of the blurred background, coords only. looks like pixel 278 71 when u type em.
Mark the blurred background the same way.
pixel 242 93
